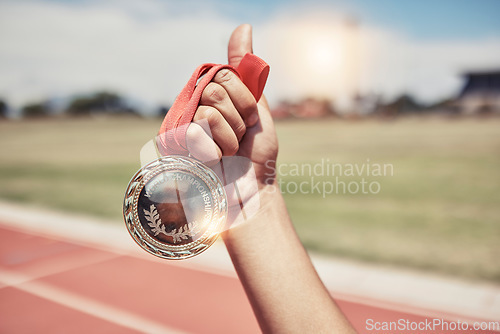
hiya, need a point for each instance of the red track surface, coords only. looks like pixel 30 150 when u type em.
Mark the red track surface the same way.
pixel 54 286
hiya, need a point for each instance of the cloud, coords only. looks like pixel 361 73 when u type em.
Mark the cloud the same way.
pixel 49 49
pixel 148 49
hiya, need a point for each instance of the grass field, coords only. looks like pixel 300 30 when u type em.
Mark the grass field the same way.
pixel 439 211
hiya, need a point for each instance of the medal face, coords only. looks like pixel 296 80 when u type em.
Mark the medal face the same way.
pixel 175 207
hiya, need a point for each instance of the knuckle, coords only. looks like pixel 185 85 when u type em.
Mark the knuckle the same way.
pixel 195 131
pixel 214 92
pixel 207 113
pixel 224 75
pixel 211 114
pixel 194 135
pixel 250 106
pixel 240 129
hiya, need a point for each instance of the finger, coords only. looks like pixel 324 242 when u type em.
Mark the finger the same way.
pixel 214 95
pixel 240 43
pixel 239 94
pixel 222 133
pixel 200 145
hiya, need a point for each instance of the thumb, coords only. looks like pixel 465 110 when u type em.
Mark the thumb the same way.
pixel 240 43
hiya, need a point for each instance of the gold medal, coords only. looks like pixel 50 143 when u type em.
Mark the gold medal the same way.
pixel 175 207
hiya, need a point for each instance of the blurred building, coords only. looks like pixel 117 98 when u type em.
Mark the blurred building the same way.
pixel 307 108
pixel 481 93
pixel 282 110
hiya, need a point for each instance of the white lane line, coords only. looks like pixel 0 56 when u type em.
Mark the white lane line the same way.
pixel 84 304
pixel 57 268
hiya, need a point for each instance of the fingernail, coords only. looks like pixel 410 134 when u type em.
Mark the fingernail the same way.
pixel 252 120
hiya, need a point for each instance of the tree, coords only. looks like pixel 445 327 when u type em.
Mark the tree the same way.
pixel 3 109
pixel 404 104
pixel 36 110
pixel 100 102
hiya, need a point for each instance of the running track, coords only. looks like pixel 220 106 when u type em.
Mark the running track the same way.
pixel 49 285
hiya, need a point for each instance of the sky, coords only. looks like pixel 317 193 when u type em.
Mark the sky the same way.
pixel 147 49
pixel 423 19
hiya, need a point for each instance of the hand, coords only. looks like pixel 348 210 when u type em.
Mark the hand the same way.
pixel 238 124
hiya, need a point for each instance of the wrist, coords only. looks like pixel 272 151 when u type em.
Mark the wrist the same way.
pixel 271 212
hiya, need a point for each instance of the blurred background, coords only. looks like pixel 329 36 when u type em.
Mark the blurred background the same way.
pixel 416 85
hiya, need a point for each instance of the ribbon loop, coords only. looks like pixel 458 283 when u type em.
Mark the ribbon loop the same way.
pixel 252 71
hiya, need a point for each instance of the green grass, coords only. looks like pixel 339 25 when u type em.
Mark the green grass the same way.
pixel 439 211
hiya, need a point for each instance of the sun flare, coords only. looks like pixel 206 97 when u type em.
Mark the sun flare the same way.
pixel 324 55
pixel 321 59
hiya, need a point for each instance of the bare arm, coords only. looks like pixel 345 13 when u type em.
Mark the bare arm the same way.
pixel 280 281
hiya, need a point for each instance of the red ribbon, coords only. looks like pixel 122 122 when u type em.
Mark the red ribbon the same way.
pixel 252 71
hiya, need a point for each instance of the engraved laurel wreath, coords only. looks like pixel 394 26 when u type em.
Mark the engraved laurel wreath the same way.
pixel 184 232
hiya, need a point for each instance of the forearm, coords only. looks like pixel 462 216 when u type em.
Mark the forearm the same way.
pixel 285 292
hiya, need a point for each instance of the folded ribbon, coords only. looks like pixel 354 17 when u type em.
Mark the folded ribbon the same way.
pixel 252 71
